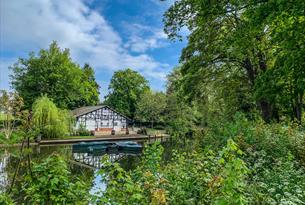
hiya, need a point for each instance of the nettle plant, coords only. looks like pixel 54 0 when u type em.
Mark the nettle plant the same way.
pixel 198 177
pixel 144 185
pixel 50 183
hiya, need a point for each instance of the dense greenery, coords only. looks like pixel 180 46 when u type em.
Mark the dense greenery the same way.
pixel 53 73
pixel 242 55
pixel 238 162
pixel 151 107
pixel 49 120
pixel 51 183
pixel 233 107
pixel 11 105
pixel 248 170
pixel 125 89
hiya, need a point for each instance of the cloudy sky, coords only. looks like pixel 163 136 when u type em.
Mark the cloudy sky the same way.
pixel 108 34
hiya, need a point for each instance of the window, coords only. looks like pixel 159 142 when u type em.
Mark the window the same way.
pixel 115 124
pixel 101 124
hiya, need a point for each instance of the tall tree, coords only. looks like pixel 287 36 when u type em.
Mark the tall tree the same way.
pixel 53 73
pixel 180 115
pixel 125 89
pixel 229 39
pixel 151 107
pixel 90 87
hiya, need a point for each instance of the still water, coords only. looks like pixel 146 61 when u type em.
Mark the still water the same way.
pixel 81 165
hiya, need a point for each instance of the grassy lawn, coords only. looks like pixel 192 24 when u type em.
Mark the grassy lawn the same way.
pixel 77 137
pixel 151 131
pixel 69 137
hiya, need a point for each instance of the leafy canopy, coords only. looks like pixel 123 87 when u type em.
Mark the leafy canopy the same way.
pixel 151 106
pixel 51 121
pixel 53 72
pixel 125 89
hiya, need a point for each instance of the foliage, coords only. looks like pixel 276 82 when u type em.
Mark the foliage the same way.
pixel 261 166
pixel 181 117
pixel 50 120
pixel 283 183
pixel 197 178
pixel 82 131
pixel 53 73
pixel 10 110
pixel 140 186
pixel 151 107
pixel 125 89
pixel 16 137
pixel 5 199
pixel 51 184
pixel 242 55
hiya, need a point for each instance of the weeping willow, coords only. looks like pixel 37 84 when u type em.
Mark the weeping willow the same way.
pixel 50 120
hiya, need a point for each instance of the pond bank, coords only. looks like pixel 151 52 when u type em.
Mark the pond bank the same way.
pixel 93 138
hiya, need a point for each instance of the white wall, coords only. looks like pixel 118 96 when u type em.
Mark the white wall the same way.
pixel 92 124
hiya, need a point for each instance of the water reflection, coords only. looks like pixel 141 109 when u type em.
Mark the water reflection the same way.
pixel 82 165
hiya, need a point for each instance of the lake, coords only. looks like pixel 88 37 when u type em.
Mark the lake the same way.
pixel 81 165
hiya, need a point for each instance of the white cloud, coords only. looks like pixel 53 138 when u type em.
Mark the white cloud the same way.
pixel 29 25
pixel 142 38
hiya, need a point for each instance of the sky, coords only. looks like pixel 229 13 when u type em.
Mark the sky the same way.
pixel 110 35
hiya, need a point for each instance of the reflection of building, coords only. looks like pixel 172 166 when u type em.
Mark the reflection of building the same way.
pixel 95 161
pixel 100 119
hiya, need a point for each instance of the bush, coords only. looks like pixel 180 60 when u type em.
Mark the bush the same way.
pixel 82 131
pixel 51 184
pixel 198 178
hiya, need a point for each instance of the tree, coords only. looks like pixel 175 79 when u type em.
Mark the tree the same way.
pixel 180 115
pixel 150 107
pixel 54 73
pixel 125 89
pixel 10 110
pixel 238 42
pixel 49 120
pixel 90 88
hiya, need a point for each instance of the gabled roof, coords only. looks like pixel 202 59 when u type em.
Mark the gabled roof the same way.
pixel 87 109
pixel 84 110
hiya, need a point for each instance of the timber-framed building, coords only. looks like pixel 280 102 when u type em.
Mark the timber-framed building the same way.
pixel 100 119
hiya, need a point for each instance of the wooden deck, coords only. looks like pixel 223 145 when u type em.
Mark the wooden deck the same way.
pixel 93 138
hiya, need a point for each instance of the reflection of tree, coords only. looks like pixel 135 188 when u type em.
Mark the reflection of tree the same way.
pixel 4 181
pixel 10 157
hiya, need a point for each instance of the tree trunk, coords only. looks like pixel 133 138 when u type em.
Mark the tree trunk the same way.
pixel 266 109
pixel 298 107
pixel 251 73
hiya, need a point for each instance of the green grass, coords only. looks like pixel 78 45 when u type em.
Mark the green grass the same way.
pixel 151 131
pixel 3 116
pixel 14 139
pixel 69 137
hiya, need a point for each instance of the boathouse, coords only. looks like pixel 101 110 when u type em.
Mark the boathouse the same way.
pixel 101 119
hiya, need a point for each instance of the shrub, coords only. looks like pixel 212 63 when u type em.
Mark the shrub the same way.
pixel 198 178
pixel 51 184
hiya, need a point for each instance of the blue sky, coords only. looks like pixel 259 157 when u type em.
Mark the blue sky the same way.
pixel 108 34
